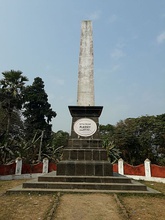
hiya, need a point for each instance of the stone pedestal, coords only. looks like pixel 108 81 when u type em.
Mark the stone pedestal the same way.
pixel 84 155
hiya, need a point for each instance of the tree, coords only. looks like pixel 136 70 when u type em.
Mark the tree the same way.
pixel 11 94
pixel 106 134
pixel 59 140
pixel 9 148
pixel 16 123
pixel 159 139
pixel 125 137
pixel 141 138
pixel 107 131
pixel 37 111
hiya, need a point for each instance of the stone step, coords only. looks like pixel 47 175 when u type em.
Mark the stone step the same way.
pixel 84 168
pixel 87 179
pixel 19 189
pixel 85 146
pixel 90 186
pixel 84 143
pixel 66 184
pixel 85 154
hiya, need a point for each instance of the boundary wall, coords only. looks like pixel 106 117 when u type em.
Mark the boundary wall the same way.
pixel 146 171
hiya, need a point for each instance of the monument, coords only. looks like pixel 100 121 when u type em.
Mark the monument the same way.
pixel 84 155
pixel 84 167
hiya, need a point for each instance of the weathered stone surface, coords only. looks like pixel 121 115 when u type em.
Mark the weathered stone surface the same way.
pixel 85 154
pixel 84 168
pixel 86 185
pixel 90 112
pixel 84 143
pixel 90 179
pixel 85 95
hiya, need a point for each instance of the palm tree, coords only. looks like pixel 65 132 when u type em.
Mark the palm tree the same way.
pixel 11 93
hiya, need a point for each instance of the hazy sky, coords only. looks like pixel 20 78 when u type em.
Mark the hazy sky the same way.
pixel 42 39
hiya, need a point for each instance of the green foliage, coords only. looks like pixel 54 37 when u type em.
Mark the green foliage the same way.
pixel 106 133
pixel 15 141
pixel 140 138
pixel 38 112
pixel 125 137
pixel 29 150
pixel 19 147
pixel 113 152
pixel 16 123
pixel 11 96
pixel 59 140
pixel 6 153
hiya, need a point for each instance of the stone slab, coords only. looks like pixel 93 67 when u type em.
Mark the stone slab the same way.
pixel 93 179
pixel 84 168
pixel 95 186
pixel 84 154
pixel 19 189
pixel 48 189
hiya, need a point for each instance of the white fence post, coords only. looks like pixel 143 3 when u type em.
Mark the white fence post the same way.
pixel 121 166
pixel 45 165
pixel 147 166
pixel 18 168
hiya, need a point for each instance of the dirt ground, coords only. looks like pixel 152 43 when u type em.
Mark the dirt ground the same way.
pixel 27 207
pixel 88 207
pixel 81 206
pixel 144 207
pixel 23 206
pixel 5 184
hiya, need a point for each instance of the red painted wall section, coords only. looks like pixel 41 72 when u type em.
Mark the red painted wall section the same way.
pixel 7 169
pixel 32 168
pixel 37 168
pixel 115 167
pixel 157 171
pixel 26 168
pixel 134 170
pixel 52 167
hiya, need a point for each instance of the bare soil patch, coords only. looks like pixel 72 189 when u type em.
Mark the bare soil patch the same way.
pixel 23 206
pixel 88 207
pixel 8 184
pixel 144 207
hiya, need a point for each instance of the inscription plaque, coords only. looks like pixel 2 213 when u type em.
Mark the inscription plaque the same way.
pixel 85 127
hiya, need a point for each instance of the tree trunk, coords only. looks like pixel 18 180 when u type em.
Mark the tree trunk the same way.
pixel 39 154
pixel 8 125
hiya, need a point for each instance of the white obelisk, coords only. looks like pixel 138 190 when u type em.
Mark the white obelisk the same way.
pixel 85 92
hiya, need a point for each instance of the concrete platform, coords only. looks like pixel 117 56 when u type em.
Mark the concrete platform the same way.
pixel 85 179
pixel 85 186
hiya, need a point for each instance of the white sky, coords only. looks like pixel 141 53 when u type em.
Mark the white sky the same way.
pixel 42 38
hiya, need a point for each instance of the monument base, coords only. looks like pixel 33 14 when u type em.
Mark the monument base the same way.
pixel 84 155
pixel 85 168
pixel 91 113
